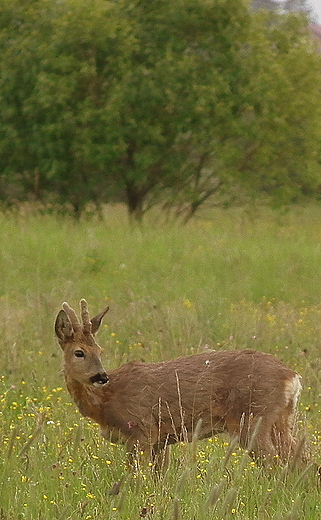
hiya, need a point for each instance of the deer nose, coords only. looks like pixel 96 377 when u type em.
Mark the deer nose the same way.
pixel 99 379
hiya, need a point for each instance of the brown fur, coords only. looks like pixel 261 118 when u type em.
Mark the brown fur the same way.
pixel 247 393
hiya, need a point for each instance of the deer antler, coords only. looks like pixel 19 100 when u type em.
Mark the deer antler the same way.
pixel 85 317
pixel 72 316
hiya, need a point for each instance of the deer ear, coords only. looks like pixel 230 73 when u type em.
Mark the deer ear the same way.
pixel 63 328
pixel 96 321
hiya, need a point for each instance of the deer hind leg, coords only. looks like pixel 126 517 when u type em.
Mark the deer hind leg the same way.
pixel 258 440
pixel 261 447
pixel 282 431
pixel 283 440
pixel 254 434
pixel 282 434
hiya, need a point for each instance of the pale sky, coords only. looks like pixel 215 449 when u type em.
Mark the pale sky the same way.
pixel 316 9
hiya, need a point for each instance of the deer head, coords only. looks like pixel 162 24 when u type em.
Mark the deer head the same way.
pixel 82 361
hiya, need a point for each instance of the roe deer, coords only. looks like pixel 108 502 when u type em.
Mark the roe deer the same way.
pixel 151 405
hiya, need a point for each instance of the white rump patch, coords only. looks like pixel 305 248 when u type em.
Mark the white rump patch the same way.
pixel 292 389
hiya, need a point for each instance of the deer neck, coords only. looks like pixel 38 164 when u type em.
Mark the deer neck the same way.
pixel 89 400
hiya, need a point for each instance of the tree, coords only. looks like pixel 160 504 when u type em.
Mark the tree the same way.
pixel 281 110
pixel 56 67
pixel 174 93
pixel 18 49
pixel 113 93
pixel 174 103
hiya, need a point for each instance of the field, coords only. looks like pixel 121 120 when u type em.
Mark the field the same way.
pixel 236 280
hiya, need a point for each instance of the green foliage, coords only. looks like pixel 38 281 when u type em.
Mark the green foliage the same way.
pixel 57 119
pixel 174 103
pixel 282 143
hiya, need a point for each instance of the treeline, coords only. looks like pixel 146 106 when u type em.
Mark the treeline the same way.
pixel 174 103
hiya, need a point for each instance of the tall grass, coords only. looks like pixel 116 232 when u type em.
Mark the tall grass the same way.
pixel 234 280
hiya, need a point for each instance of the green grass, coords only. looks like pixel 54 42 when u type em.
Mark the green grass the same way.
pixel 235 280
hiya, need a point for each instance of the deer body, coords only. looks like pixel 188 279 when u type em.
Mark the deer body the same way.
pixel 156 404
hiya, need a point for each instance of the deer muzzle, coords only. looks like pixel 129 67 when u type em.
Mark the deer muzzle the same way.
pixel 100 379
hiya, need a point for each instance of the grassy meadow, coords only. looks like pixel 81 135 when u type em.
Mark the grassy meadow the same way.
pixel 237 279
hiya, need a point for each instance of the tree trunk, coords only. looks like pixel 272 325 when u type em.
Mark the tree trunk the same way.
pixel 135 201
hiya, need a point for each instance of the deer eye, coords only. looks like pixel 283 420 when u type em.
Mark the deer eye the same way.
pixel 79 353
